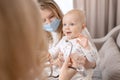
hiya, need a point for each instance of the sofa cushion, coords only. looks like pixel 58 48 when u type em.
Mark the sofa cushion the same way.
pixel 110 60
pixel 118 40
pixel 97 74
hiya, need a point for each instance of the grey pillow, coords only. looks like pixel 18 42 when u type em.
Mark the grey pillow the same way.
pixel 97 74
pixel 110 60
pixel 118 40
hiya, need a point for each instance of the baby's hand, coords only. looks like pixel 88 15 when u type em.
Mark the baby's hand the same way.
pixel 49 57
pixel 82 40
pixel 60 56
pixel 59 61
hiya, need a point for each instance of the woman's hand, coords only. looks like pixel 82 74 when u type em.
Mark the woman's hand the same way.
pixel 66 72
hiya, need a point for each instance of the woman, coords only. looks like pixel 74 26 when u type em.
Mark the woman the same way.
pixel 52 24
pixel 51 16
pixel 21 55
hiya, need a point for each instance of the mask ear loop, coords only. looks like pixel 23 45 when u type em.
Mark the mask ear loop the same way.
pixel 83 26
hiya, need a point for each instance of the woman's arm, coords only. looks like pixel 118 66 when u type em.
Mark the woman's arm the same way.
pixel 66 72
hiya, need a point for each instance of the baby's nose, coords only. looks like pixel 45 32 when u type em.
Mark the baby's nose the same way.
pixel 67 28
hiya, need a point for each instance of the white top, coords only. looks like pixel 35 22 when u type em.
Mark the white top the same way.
pixel 72 46
pixel 55 40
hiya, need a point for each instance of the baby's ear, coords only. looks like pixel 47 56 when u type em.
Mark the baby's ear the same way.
pixel 83 26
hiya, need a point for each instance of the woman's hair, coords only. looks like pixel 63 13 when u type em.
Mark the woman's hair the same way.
pixel 51 5
pixel 22 45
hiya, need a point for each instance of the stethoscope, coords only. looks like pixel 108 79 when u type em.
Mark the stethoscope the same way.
pixel 80 70
pixel 51 67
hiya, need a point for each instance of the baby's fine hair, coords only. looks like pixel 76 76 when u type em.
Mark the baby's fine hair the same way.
pixel 79 13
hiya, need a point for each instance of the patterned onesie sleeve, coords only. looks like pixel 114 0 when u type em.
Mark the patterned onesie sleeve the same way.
pixel 91 54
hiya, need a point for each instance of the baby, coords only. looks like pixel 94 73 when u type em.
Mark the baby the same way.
pixel 74 42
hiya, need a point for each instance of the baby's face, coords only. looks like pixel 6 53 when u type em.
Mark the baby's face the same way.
pixel 71 25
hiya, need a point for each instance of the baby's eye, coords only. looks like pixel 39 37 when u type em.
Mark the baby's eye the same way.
pixel 64 24
pixel 72 24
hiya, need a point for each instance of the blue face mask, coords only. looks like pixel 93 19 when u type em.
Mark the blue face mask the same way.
pixel 53 26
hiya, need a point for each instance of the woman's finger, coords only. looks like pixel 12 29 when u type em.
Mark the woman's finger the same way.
pixel 67 62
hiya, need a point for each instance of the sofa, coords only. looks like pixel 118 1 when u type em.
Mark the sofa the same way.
pixel 108 66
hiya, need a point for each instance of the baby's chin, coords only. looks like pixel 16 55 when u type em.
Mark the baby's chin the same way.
pixel 70 37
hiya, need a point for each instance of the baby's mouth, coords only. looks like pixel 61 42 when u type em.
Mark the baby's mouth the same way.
pixel 68 33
